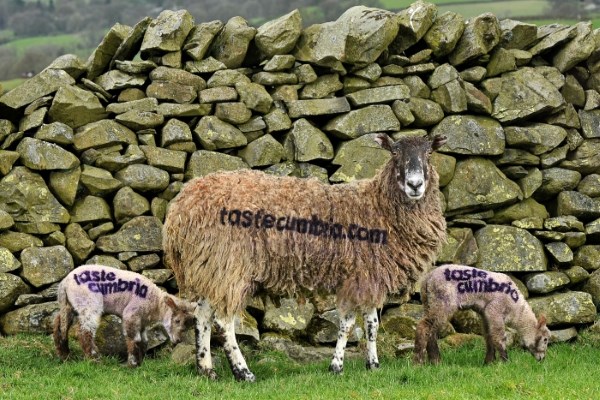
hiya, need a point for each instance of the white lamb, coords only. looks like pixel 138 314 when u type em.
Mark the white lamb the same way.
pixel 450 288
pixel 93 290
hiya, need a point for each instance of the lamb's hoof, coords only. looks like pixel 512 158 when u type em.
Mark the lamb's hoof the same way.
pixel 209 373
pixel 336 369
pixel 244 375
pixel 372 365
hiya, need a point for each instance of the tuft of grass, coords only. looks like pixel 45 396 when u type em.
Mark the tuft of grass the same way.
pixel 30 370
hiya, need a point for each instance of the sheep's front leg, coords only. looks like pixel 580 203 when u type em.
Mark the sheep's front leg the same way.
pixel 371 327
pixel 204 318
pixel 238 365
pixel 132 329
pixel 495 337
pixel 346 323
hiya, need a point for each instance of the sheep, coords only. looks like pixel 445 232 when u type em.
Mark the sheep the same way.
pixel 449 288
pixel 230 234
pixel 93 290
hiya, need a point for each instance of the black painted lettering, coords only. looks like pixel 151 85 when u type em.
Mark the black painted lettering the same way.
pixel 76 279
pixel 268 221
pixel 110 276
pixel 378 236
pixel 363 234
pixel 351 230
pixel 257 218
pixel 223 214
pixel 302 225
pixel 234 217
pixel 281 223
pixel 247 216
pixel 447 274
pixel 96 276
pixel 84 276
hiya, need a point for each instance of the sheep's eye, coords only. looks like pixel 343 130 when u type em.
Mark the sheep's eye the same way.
pixel 394 153
pixel 177 321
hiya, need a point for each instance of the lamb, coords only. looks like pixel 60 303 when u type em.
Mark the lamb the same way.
pixel 93 290
pixel 228 235
pixel 449 288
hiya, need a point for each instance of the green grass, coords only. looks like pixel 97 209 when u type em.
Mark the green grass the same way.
pixel 71 41
pixel 502 9
pixel 6 86
pixel 30 370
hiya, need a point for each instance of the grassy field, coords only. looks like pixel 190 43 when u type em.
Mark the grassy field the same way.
pixel 472 8
pixel 30 370
pixel 68 42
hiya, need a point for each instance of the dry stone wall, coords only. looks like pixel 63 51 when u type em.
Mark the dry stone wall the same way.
pixel 92 152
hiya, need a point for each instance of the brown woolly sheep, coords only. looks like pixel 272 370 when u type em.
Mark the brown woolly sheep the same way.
pixel 229 234
pixel 93 290
pixel 450 288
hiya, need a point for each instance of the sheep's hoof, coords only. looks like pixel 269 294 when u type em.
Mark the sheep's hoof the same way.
pixel 336 369
pixel 244 375
pixel 372 365
pixel 209 373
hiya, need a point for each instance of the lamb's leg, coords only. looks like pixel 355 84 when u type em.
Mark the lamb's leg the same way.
pixel 347 320
pixel 495 337
pixel 238 365
pixel 204 317
pixel 490 350
pixel 62 322
pixel 371 327
pixel 425 335
pixel 89 322
pixel 132 327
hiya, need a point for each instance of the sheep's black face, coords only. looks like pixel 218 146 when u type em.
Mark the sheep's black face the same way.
pixel 410 156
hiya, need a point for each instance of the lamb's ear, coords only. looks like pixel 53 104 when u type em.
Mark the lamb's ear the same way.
pixel 384 141
pixel 541 321
pixel 170 302
pixel 438 142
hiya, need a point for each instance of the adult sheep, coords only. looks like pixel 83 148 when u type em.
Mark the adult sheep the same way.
pixel 227 235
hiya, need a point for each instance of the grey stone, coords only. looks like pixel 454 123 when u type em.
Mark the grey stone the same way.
pixel 585 158
pixel 589 123
pixel 128 204
pixel 118 80
pixel 565 308
pixel 56 132
pixel 324 328
pixel 546 282
pixel 25 196
pixel 90 209
pixel 528 208
pixel 42 84
pixel 588 257
pixel 460 247
pixel 175 131
pixel 358 159
pixel 576 50
pixel 507 248
pixel 382 94
pixel 316 107
pixel 525 93
pixel 481 34
pixel 232 42
pixel 215 134
pixel 255 96
pixel 277 120
pixel 517 34
pixel 375 118
pixel 577 274
pixel 226 77
pixel 203 162
pixel 101 57
pixel 200 38
pixel 168 160
pixel 233 113
pixel 444 33
pixel 75 107
pixel 172 91
pixel 204 66
pixel 167 32
pixel 217 94
pixel 45 265
pixel 143 234
pixel 556 180
pixel 280 35
pixel 537 138
pixel 563 224
pixel 578 205
pixel 35 318
pixel 11 287
pixel 102 134
pixel 290 317
pixel 262 152
pixel 414 22
pixel 98 181
pixel 146 261
pixel 143 178
pixel 359 36
pixel 479 185
pixel 471 135
pixel 145 104
pixel 78 243
pixel 43 156
pixel 426 112
pixel 310 143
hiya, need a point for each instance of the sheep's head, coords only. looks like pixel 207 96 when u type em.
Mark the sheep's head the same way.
pixel 540 341
pixel 410 156
pixel 179 317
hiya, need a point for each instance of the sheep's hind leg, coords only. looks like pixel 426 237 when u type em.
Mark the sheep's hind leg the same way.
pixel 238 365
pixel 204 317
pixel 346 322
pixel 371 326
pixel 422 337
pixel 88 325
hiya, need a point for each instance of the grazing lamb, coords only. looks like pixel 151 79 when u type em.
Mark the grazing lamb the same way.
pixel 493 295
pixel 229 234
pixel 93 290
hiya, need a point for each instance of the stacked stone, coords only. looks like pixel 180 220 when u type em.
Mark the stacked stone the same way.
pixel 91 153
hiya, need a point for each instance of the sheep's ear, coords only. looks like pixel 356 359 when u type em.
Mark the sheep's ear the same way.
pixel 438 142
pixel 541 321
pixel 170 302
pixel 384 141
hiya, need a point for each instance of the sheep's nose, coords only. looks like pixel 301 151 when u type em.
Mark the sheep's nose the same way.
pixel 415 184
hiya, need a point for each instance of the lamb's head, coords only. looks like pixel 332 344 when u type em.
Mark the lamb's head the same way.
pixel 178 316
pixel 537 341
pixel 410 157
